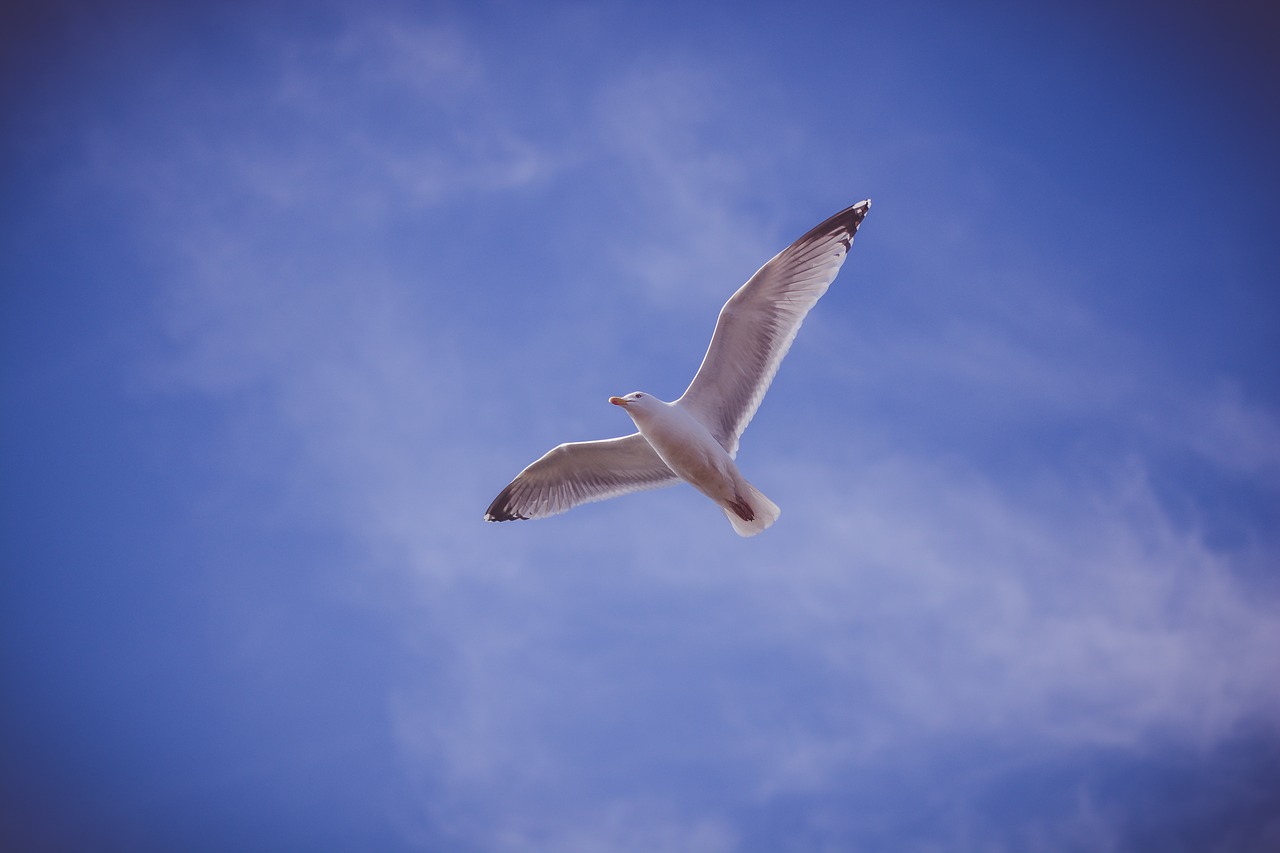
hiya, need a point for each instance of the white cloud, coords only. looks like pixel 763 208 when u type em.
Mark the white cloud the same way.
pixel 1081 611
pixel 1231 431
pixel 677 129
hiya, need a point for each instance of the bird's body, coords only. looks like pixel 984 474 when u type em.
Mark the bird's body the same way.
pixel 686 446
pixel 695 438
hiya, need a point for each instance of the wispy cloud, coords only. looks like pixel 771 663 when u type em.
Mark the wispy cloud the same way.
pixel 692 153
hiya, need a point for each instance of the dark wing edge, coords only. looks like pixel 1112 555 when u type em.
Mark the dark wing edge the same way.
pixel 581 472
pixel 761 321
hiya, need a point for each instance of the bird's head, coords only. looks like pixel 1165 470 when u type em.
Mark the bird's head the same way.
pixel 636 402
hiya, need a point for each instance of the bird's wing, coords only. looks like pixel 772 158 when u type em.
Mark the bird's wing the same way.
pixel 759 322
pixel 579 473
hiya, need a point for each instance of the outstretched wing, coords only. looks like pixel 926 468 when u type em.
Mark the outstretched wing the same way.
pixel 758 323
pixel 579 473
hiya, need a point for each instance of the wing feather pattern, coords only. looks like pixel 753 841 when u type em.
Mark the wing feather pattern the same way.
pixel 758 323
pixel 578 473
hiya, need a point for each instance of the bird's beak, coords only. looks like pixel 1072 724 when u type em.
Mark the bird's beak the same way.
pixel 618 401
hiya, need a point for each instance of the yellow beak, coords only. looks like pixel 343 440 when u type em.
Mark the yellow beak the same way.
pixel 618 401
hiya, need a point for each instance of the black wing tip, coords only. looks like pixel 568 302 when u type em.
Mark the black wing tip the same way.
pixel 845 223
pixel 504 515
pixel 848 221
pixel 855 214
pixel 501 509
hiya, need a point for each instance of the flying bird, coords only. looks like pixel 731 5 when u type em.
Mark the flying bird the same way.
pixel 695 438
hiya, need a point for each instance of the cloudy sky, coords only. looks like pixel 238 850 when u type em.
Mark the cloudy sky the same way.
pixel 291 290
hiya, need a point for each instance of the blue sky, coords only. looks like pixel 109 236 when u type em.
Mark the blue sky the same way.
pixel 290 291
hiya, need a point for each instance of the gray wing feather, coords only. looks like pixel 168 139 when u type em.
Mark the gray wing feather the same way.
pixel 578 473
pixel 758 323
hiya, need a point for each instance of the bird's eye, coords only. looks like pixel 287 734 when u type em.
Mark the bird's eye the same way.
pixel 638 396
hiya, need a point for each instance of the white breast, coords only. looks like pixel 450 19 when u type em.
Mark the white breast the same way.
pixel 688 448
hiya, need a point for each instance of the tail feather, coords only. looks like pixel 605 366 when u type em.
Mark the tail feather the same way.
pixel 762 511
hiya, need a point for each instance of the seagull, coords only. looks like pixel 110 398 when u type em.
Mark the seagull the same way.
pixel 695 438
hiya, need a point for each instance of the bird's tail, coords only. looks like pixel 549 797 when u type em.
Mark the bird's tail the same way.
pixel 750 512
